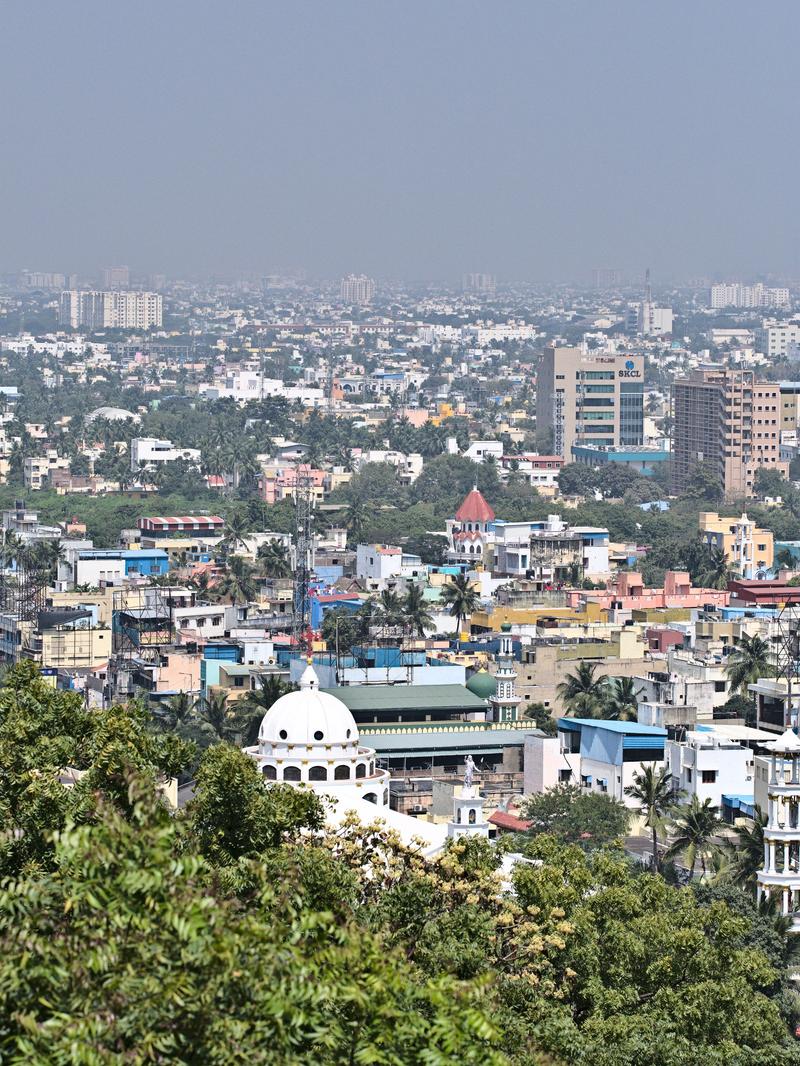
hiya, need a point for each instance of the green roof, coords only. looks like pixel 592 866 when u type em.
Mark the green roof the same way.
pixel 390 699
pixel 482 684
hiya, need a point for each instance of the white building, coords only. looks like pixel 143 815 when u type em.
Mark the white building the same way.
pixel 36 469
pixel 356 289
pixel 734 294
pixel 150 452
pixel 779 878
pixel 481 450
pixel 379 565
pixel 652 321
pixel 111 310
pixel 776 340
pixel 708 764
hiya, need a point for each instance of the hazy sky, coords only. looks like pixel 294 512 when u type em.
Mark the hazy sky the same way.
pixel 408 139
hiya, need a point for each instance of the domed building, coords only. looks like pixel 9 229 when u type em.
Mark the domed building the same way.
pixel 310 737
pixel 481 684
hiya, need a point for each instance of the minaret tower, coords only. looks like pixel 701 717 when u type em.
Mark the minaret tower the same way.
pixel 468 818
pixel 505 702
pixel 780 877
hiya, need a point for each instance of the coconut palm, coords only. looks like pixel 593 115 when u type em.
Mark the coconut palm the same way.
pixel 355 519
pixel 217 716
pixel 237 583
pixel 416 610
pixel 273 559
pixel 270 688
pixel 693 831
pixel 581 692
pixel 236 526
pixel 715 572
pixel 749 660
pixel 622 702
pixel 390 608
pixel 745 853
pixel 176 712
pixel 655 794
pixel 461 598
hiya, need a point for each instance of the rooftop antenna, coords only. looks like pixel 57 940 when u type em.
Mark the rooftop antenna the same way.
pixel 648 291
pixel 304 549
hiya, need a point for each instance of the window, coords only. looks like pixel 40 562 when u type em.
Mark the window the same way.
pixel 688 776
pixel 361 770
pixel 291 773
pixel 341 773
pixel 317 773
pixel 472 816
pixel 270 773
pixel 709 777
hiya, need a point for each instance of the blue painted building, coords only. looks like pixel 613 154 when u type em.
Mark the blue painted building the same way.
pixel 603 756
pixel 638 458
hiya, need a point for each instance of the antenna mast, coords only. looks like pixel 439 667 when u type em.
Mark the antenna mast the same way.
pixel 304 551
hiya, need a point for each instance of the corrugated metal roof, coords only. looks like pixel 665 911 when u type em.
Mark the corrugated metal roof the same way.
pixel 388 698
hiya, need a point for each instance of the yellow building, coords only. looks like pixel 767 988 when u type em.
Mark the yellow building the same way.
pixel 748 550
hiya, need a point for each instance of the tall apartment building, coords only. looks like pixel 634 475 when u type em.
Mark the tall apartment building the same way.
pixel 478 283
pixel 589 398
pixel 111 310
pixel 729 420
pixel 737 295
pixel 779 340
pixel 357 289
pixel 116 278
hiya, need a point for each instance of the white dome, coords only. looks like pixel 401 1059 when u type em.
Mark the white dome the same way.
pixel 113 414
pixel 308 718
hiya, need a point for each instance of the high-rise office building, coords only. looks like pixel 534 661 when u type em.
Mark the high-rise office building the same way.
pixel 110 310
pixel 357 289
pixel 590 398
pixel 478 283
pixel 116 277
pixel 734 294
pixel 728 420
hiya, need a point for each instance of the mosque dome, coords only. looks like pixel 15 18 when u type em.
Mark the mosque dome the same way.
pixel 481 684
pixel 308 718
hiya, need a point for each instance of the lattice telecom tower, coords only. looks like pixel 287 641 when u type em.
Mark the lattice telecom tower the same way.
pixel 304 555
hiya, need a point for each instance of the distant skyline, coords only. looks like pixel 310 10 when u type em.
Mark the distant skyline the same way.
pixel 531 140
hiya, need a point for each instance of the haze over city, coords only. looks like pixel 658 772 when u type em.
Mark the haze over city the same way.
pixel 399 534
pixel 411 141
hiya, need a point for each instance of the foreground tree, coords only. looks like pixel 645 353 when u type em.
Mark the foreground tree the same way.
pixel 582 692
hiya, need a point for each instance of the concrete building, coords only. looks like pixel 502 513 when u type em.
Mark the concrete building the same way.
pixel 590 398
pixel 653 321
pixel 708 765
pixel 777 339
pixel 735 294
pixel 380 565
pixel 779 878
pixel 116 277
pixel 644 459
pixel 748 550
pixel 727 419
pixel 357 289
pixel 478 283
pixel 149 452
pixel 603 756
pixel 111 310
pixel 36 469
pixel 471 531
pixel 790 406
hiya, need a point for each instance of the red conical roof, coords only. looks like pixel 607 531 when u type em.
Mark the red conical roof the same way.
pixel 474 509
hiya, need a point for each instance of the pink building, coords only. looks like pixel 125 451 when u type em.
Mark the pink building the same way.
pixel 280 484
pixel 626 592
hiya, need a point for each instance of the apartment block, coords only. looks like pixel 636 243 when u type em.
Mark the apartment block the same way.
pixel 110 310
pixel 727 419
pixel 778 340
pixel 737 295
pixel 748 550
pixel 590 398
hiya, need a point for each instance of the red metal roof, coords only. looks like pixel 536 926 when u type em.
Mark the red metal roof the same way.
pixel 474 509
pixel 503 820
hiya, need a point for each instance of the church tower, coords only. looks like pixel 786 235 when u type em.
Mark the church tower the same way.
pixel 505 701
pixel 780 877
pixel 468 820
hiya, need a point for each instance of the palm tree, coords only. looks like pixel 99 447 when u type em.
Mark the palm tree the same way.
pixel 745 854
pixel 694 830
pixel 237 583
pixel 715 573
pixel 749 660
pixel 175 713
pixel 416 610
pixel 236 526
pixel 270 688
pixel 622 702
pixel 213 711
pixel 274 559
pixel 461 598
pixel 355 519
pixel 583 693
pixel 390 608
pixel 785 559
pixel 655 793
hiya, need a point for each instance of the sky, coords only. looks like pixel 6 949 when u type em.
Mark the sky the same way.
pixel 411 139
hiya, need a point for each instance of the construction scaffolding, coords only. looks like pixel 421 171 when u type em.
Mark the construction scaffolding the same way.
pixel 785 640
